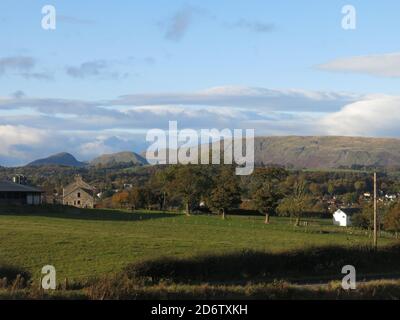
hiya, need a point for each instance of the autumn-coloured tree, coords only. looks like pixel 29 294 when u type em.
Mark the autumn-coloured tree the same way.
pixel 297 203
pixel 120 199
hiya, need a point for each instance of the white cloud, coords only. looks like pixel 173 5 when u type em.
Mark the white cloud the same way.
pixel 94 148
pixel 104 144
pixel 13 136
pixel 383 65
pixel 22 144
pixel 224 96
pixel 246 97
pixel 378 116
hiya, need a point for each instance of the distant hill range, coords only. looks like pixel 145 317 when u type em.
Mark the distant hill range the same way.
pixel 319 152
pixel 327 152
pixel 60 159
pixel 109 160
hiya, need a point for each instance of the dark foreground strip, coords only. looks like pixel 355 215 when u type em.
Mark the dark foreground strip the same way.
pixel 193 309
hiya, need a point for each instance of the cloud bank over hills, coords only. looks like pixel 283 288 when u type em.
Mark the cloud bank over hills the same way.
pixel 31 127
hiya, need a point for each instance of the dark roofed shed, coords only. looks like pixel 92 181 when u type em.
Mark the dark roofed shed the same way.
pixel 14 193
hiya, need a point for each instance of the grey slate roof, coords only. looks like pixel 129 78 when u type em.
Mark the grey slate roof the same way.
pixel 6 186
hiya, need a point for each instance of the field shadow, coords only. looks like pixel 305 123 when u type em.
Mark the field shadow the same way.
pixel 300 265
pixel 68 212
pixel 10 273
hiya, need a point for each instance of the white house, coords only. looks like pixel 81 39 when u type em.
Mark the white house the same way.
pixel 391 197
pixel 341 218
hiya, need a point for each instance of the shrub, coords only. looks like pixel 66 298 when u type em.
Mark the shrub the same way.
pixel 254 265
pixel 13 274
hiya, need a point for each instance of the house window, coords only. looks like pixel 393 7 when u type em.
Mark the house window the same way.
pixel 79 202
pixel 79 194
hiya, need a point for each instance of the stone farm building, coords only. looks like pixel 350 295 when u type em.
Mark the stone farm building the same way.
pixel 79 194
pixel 19 194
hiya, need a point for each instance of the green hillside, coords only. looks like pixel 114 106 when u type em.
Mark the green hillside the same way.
pixel 126 157
pixel 327 152
pixel 59 159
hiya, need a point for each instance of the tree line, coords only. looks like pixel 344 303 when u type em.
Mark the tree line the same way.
pixel 269 191
pixel 212 188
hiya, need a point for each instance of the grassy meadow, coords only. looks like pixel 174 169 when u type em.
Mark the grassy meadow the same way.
pixel 84 243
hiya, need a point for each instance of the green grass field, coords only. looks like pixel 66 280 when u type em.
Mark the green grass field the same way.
pixel 85 243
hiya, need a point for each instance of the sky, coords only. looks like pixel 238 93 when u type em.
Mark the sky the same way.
pixel 112 70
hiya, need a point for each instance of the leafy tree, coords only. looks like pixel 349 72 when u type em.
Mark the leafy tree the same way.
pixel 266 199
pixel 392 219
pixel 120 199
pixel 331 188
pixel 267 189
pixel 360 186
pixel 157 188
pixel 296 204
pixel 321 208
pixel 188 182
pixel 226 194
pixel 384 187
pixel 365 218
pixel 151 197
pixel 269 174
pixel 350 198
pixel 137 198
pixel 315 189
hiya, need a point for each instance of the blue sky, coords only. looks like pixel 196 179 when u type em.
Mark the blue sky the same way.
pixel 112 70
